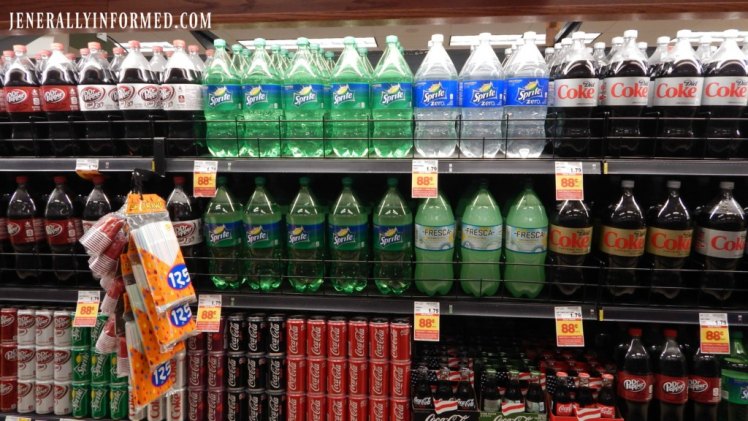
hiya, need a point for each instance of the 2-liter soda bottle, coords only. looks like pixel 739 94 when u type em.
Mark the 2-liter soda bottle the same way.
pixel 263 106
pixel 393 242
pixel 262 232
pixel 305 240
pixel 526 245
pixel 481 238
pixel 349 245
pixel 303 92
pixel 223 105
pixel 223 230
pixel 435 243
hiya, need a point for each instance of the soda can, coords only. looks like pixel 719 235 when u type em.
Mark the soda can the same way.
pixel 156 410
pixel 175 405
pixel 26 399
pixel 400 409
pixel 26 321
pixel 9 362
pixel 257 405
pixel 358 408
pixel 26 356
pixel 216 363
pixel 337 408
pixel 358 338
pixel 276 340
pixel 100 367
pixel 316 337
pixel 337 337
pixel 316 375
pixel 379 342
pixel 296 336
pixel 116 379
pixel 81 358
pixel 236 325
pixel 179 367
pixel 236 404
pixel 256 326
pixel 101 320
pixel 45 329
pixel 400 334
pixel 256 371
pixel 119 401
pixel 196 371
pixel 378 408
pixel 214 408
pixel 100 401
pixel 236 369
pixel 63 325
pixel 216 341
pixel 276 375
pixel 337 376
pixel 80 397
pixel 400 380
pixel 316 407
pixel 9 325
pixel 45 399
pixel 81 337
pixel 296 407
pixel 296 375
pixel 132 413
pixel 358 377
pixel 276 406
pixel 9 394
pixel 197 342
pixel 63 403
pixel 379 375
pixel 196 402
pixel 45 363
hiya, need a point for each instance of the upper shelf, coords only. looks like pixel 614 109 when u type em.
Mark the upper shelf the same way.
pixel 676 167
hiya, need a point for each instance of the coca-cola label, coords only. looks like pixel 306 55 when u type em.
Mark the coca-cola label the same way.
pixel 704 389
pixel 138 96
pixel 575 92
pixel 672 389
pixel 631 91
pixel 570 241
pixel 275 374
pixel 335 383
pixel 60 232
pixel 607 411
pixel 59 98
pixel 3 228
pixel 633 387
pixel 678 91
pixel 182 97
pixel 720 244
pixel 622 242
pixel 564 409
pixel 188 233
pixel 669 243
pixel 22 99
pixel 23 231
pixel 98 97
pixel 730 91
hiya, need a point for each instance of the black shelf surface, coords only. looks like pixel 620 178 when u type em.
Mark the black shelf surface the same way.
pixel 614 313
pixel 68 164
pixel 35 416
pixel 654 166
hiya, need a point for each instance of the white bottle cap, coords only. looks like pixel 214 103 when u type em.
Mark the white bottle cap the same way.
pixel 529 35
pixel 731 33
pixel 663 40
pixel 549 51
pixel 557 45
pixel 641 45
pixel 566 41
pixel 437 38
pixel 726 185
pixel 600 45
pixel 705 39
pixel 617 41
pixel 683 34
pixel 578 35
pixel 484 35
pixel 627 184
pixel 673 184
pixel 630 33
pixel 507 51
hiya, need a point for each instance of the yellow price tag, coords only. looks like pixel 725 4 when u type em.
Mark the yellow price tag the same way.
pixel 87 309
pixel 209 313
pixel 204 178
pixel 569 330
pixel 87 167
pixel 426 316
pixel 424 182
pixel 714 333
pixel 569 181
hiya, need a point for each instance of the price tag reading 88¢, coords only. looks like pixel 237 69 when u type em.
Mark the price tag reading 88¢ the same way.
pixel 426 317
pixel 204 178
pixel 87 309
pixel 714 333
pixel 425 179
pixel 569 331
pixel 569 181
pixel 208 313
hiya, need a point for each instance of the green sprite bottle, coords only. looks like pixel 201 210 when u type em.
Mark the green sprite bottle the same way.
pixel 392 104
pixel 237 61
pixel 263 110
pixel 262 224
pixel 481 238
pixel 364 53
pixel 305 224
pixel 330 58
pixel 303 94
pixel 223 104
pixel 276 59
pixel 223 232
pixel 349 104
pixel 348 241
pixel 435 244
pixel 393 242
pixel 324 71
pixel 526 245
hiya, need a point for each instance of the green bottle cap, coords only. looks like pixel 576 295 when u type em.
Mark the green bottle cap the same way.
pixel 349 41
pixel 219 43
pixel 329 54
pixel 259 181
pixel 304 181
pixel 274 48
pixel 314 46
pixel 391 39
pixel 392 182
pixel 221 181
pixel 236 48
pixel 483 183
pixel 260 43
pixel 246 52
pixel 302 41
pixel 363 50
pixel 347 181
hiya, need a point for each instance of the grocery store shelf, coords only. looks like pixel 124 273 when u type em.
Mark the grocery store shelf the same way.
pixel 675 167
pixel 48 417
pixel 666 315
pixel 69 164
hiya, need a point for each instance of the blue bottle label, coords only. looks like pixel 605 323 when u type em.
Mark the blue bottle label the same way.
pixel 223 97
pixel 527 91
pixel 349 96
pixel 435 93
pixel 223 234
pixel 393 238
pixel 435 238
pixel 348 237
pixel 482 93
pixel 262 235
pixel 305 237
pixel 262 97
pixel 304 96
pixel 392 95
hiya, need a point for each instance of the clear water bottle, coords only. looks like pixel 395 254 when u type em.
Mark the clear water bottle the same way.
pixel 526 100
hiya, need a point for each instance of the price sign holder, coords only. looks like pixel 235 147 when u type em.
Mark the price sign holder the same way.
pixel 14 418
pixel 569 330
pixel 714 333
pixel 425 179
pixel 86 168
pixel 426 317
pixel 209 313
pixel 569 181
pixel 204 178
pixel 87 309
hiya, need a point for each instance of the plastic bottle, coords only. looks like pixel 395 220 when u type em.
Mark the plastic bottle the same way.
pixel 139 98
pixel 481 229
pixel 223 232
pixel 262 234
pixel 671 380
pixel 4 127
pixel 237 61
pixel 481 102
pixel 598 53
pixel 182 100
pixel 194 52
pixel 654 63
pixel 263 104
pixel 526 245
pixel 569 245
pixel 59 97
pixel 535 398
pixel 97 94
pixel 392 104
pixel 704 391
pixel 526 100
pixel 97 204
pixel 554 71
pixel 348 233
pixel 635 381
pixel 303 103
pixel 364 53
pixel 393 242
pixel 326 73
pixel 435 98
pixel 434 241
pixel 704 50
pixel 188 226
pixel 63 229
pixel 350 110
pixel 43 57
pixel 209 53
pixel 223 104
pixel 23 102
pixel 116 64
pixel 305 241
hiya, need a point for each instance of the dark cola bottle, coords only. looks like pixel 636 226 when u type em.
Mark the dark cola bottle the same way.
pixel 535 397
pixel 606 398
pixel 624 93
pixel 465 394
pixel 4 126
pixel 5 247
pixel 562 404
pixel 678 89
pixel 490 396
pixel 719 243
pixel 63 229
pixel 585 399
pixel 569 245
pixel 21 88
pixel 188 225
pixel 704 387
pixel 444 386
pixel 669 237
pixel 671 383
pixel 181 96
pixel 635 382
pixel 96 205
pixel 513 394
pixel 554 69
pixel 139 98
pixel 97 93
pixel 575 99
pixel 59 95
pixel 26 230
pixel 422 398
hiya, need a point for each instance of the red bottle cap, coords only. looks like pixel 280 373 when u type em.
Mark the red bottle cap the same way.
pixel 59 179
pixel 22 179
pixel 94 44
pixel 193 48
pixel 118 50
pixel 134 44
pixel 179 180
pixel 158 49
pixel 98 180
pixel 179 43
pixel 58 46
pixel 635 331
pixel 19 47
pixel 671 333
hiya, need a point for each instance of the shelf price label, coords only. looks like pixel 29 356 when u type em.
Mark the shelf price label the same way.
pixel 14 418
pixel 426 317
pixel 569 181
pixel 425 179
pixel 569 331
pixel 87 309
pixel 209 313
pixel 715 333
pixel 204 178
pixel 87 167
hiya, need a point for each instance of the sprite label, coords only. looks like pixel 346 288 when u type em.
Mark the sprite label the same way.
pixel 262 236
pixel 223 97
pixel 99 401
pixel 436 94
pixel 348 237
pixel 80 398
pixel 349 96
pixel 81 364
pixel 307 97
pixel 305 237
pixel 81 336
pixel 393 238
pixel 262 97
pixel 482 93
pixel 101 320
pixel 100 368
pixel 118 402
pixel 222 234
pixel 392 95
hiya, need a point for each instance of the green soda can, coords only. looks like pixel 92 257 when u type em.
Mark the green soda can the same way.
pixel 100 367
pixel 81 357
pixel 113 377
pixel 96 330
pixel 80 397
pixel 99 401
pixel 118 401
pixel 81 337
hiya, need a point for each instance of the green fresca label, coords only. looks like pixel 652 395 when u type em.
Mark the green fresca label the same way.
pixel 307 97
pixel 348 237
pixel 435 238
pixel 305 236
pixel 262 236
pixel 222 234
pixel 349 96
pixel 392 95
pixel 393 238
pixel 262 97
pixel 223 97
pixel 481 238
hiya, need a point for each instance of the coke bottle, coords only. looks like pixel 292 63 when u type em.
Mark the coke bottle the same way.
pixel 21 88
pixel 490 396
pixel 624 93
pixel 139 98
pixel 584 397
pixel 622 240
pixel 63 228
pixel 97 204
pixel 422 393
pixel 25 229
pixel 97 93
pixel 513 393
pixel 672 380
pixel 562 405
pixel 188 226
pixel 60 101
pixel 720 242
pixel 635 380
pixel 569 245
pixel 182 100
pixel 444 387
pixel 465 393
pixel 704 388
pixel 535 398
pixel 669 234
pixel 606 398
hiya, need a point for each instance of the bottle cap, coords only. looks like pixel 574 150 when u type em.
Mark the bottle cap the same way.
pixel 209 52
pixel 93 45
pixel 221 180
pixel 437 38
pixel 259 181
pixel 584 375
pixel 22 179
pixel 641 45
pixel 179 180
pixel 484 37
pixel 627 184
pixel 236 48
pixel 392 182
pixel 193 48
pixel 566 41
pixel 219 43
pixel 390 39
pixel 59 179
pixel 85 51
pixel 617 41
pixel 347 181
pixel 178 43
pixel 19 48
pixel 158 49
pixel 134 44
pixel 673 184
pixel 663 40
pixel 578 35
pixel 71 56
pixel 670 333
pixel 529 35
pixel 683 34
pixel 58 46
pixel 562 374
pixel 705 39
pixel 635 332
pixel 304 181
pixel 349 41
pixel 600 45
pixel 549 51
pixel 7 53
pixel 730 33
pixel 259 43
pixel 98 180
pixel 362 50
pixel 118 50
pixel 726 185
pixel 631 33
pixel 607 376
pixel 302 41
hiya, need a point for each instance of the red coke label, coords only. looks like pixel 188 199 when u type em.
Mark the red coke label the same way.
pixel 564 410
pixel 720 244
pixel 23 231
pixel 607 411
pixel 622 242
pixel 704 389
pixel 22 99
pixel 576 92
pixel 672 389
pixel 678 91
pixel 731 91
pixel 669 243
pixel 59 98
pixel 636 388
pixel 630 91
pixel 98 97
pixel 60 232
pixel 571 241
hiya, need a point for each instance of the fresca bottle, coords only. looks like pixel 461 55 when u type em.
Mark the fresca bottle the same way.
pixel 223 104
pixel 262 246
pixel 349 232
pixel 223 229
pixel 305 240
pixel 435 244
pixel 263 105
pixel 393 242
pixel 303 104
pixel 481 234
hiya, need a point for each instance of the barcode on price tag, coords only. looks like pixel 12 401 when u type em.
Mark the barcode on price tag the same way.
pixel 425 179
pixel 209 313
pixel 569 181
pixel 426 317
pixel 87 309
pixel 87 167
pixel 715 333
pixel 569 331
pixel 204 178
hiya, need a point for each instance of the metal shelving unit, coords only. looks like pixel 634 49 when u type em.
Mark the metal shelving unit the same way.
pixel 666 315
pixel 69 164
pixel 654 166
